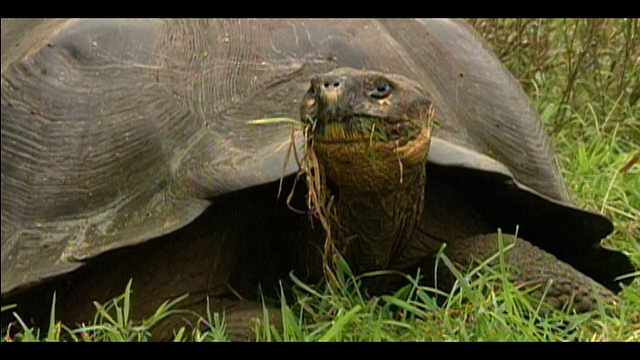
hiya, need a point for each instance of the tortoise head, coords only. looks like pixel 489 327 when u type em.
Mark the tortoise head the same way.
pixel 367 126
pixel 371 134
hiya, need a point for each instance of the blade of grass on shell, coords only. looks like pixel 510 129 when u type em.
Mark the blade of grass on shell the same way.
pixel 275 121
pixel 8 307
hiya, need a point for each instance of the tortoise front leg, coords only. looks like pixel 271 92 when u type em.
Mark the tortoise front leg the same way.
pixel 532 268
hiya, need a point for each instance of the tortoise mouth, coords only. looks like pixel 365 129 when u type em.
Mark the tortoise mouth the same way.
pixel 368 150
pixel 362 128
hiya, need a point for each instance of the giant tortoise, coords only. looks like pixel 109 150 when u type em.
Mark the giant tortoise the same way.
pixel 129 152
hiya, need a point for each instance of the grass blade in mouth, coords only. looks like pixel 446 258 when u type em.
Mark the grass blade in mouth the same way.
pixel 364 129
pixel 275 121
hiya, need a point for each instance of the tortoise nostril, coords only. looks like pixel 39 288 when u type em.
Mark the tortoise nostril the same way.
pixel 328 84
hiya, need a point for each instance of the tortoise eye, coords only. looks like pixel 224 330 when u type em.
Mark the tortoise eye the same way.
pixel 378 88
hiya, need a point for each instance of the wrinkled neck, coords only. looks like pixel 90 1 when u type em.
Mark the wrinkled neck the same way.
pixel 375 225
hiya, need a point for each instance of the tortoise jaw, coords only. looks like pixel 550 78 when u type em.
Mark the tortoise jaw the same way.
pixel 361 161
pixel 365 128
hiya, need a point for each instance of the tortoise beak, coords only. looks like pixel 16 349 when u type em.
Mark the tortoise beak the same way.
pixel 329 91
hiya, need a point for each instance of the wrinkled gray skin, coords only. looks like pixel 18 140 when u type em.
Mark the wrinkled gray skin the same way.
pixel 118 133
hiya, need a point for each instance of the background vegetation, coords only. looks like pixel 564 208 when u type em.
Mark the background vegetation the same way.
pixel 583 76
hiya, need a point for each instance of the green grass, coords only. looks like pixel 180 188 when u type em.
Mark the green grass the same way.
pixel 583 76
